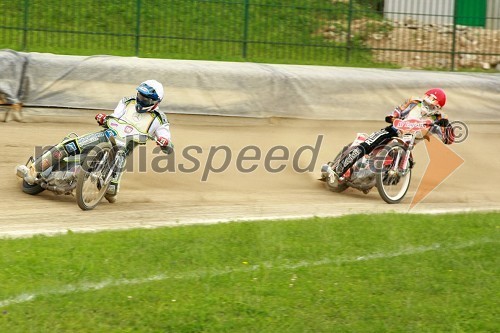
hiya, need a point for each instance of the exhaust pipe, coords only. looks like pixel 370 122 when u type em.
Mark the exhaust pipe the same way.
pixel 53 188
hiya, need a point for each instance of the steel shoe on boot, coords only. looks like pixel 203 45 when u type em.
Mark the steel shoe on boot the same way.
pixel 28 174
pixel 110 197
pixel 327 172
pixel 111 192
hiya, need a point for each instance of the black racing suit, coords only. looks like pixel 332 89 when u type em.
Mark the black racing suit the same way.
pixel 366 147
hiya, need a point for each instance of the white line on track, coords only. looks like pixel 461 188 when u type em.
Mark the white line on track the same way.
pixel 83 287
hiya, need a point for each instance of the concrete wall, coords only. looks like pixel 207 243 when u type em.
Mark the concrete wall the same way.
pixel 436 12
pixel 493 15
pixel 425 11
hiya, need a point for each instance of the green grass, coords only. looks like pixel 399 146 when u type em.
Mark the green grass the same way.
pixel 361 273
pixel 276 30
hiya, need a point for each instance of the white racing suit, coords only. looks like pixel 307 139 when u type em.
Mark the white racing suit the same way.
pixel 154 123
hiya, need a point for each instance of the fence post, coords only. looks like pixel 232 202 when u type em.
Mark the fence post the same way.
pixel 245 28
pixel 137 27
pixel 454 36
pixel 25 26
pixel 348 40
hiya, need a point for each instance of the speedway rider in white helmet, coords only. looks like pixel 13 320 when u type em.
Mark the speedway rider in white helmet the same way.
pixel 141 111
pixel 144 113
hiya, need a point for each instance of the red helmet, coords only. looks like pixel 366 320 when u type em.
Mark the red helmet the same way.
pixel 435 96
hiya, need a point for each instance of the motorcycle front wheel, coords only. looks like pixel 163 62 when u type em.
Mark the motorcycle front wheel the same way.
pixel 391 183
pixel 92 181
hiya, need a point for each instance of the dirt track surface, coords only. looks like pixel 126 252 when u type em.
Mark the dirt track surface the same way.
pixel 169 198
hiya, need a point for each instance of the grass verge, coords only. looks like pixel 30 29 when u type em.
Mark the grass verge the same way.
pixel 273 31
pixel 361 273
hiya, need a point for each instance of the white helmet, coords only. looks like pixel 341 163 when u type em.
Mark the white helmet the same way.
pixel 149 95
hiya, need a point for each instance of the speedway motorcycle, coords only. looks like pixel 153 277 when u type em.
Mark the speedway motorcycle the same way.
pixel 388 167
pixel 89 174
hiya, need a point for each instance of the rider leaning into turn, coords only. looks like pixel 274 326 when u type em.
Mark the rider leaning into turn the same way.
pixel 429 106
pixel 141 110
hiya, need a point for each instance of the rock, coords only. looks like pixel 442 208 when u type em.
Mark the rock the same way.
pixel 443 62
pixel 463 41
pixel 330 28
pixel 416 37
pixel 485 65
pixel 410 21
pixel 469 56
pixel 445 31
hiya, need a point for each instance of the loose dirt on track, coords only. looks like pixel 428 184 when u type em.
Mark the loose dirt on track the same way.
pixel 150 197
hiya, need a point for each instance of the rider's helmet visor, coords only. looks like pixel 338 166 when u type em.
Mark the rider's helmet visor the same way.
pixel 144 101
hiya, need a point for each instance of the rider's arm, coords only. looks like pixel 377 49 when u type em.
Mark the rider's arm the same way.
pixel 394 115
pixel 448 134
pixel 401 111
pixel 160 129
pixel 120 108
pixel 117 113
pixel 163 139
pixel 444 129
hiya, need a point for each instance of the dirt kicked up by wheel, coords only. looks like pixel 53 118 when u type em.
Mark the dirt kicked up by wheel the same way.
pixel 95 176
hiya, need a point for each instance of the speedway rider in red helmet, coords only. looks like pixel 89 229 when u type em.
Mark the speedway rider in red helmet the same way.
pixel 429 106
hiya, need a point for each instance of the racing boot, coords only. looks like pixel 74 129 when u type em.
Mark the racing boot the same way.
pixel 327 171
pixel 114 185
pixel 28 174
pixel 110 197
pixel 112 192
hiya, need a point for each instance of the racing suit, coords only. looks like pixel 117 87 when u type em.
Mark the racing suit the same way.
pixel 154 123
pixel 411 108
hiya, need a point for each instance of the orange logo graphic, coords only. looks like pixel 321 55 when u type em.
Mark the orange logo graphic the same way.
pixel 443 161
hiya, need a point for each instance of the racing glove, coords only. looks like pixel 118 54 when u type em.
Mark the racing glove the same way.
pixel 443 122
pixel 165 144
pixel 101 118
pixel 447 131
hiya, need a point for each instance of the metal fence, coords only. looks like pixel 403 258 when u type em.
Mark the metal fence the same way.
pixel 445 34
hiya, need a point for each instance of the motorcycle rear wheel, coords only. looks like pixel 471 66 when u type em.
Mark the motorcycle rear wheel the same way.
pixel 391 187
pixel 90 187
pixel 32 189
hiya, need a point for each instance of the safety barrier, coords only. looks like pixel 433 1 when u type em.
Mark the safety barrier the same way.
pixel 238 89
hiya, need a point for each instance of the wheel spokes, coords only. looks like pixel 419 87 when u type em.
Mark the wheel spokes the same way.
pixel 394 183
pixel 93 184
